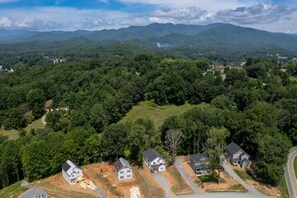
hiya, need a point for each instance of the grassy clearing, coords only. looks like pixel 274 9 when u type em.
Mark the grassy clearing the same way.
pixel 13 190
pixel 37 124
pixel 156 113
pixel 12 135
pixel 243 175
pixel 293 78
pixel 284 188
pixel 179 185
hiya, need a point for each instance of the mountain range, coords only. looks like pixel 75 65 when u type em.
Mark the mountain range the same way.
pixel 213 36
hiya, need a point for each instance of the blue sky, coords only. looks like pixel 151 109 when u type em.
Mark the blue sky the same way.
pixel 49 15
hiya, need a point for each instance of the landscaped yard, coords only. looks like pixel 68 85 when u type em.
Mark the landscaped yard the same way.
pixel 156 113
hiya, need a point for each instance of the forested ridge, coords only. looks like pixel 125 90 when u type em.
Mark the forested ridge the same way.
pixel 255 106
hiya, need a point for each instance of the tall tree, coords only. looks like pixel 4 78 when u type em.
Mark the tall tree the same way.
pixel 173 140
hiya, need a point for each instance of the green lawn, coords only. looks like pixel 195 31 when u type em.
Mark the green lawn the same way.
pixel 12 135
pixel 243 175
pixel 37 124
pixel 156 113
pixel 12 191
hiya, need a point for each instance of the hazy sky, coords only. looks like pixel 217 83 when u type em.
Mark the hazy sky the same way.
pixel 45 15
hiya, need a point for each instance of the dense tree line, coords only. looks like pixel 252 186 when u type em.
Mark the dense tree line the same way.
pixel 256 107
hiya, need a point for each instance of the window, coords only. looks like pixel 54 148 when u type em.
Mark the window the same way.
pixel 129 176
pixel 128 171
pixel 121 172
pixel 122 177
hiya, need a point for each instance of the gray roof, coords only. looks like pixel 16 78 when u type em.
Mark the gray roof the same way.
pixel 197 157
pixel 151 154
pixel 234 148
pixel 33 192
pixel 122 163
pixel 66 166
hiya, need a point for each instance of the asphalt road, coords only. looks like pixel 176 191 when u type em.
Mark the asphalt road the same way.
pixel 290 173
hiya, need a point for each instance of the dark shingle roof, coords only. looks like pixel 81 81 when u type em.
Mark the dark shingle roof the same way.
pixel 33 192
pixel 234 148
pixel 151 154
pixel 66 166
pixel 196 157
pixel 122 163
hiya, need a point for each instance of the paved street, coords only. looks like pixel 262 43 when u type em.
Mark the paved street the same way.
pixel 290 173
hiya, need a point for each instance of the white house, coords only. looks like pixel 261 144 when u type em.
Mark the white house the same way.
pixel 154 161
pixel 123 169
pixel 71 172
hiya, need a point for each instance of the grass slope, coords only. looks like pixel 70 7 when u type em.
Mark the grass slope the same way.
pixel 156 113
pixel 13 190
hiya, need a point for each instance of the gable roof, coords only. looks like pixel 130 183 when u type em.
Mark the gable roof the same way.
pixel 122 163
pixel 234 148
pixel 33 192
pixel 197 157
pixel 68 167
pixel 151 154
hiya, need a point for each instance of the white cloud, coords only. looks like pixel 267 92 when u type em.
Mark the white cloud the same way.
pixel 5 22
pixel 264 16
pixel 63 18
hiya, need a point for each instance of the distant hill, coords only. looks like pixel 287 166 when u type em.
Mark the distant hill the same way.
pixel 217 37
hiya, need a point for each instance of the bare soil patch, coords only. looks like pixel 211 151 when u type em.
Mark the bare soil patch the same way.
pixel 178 185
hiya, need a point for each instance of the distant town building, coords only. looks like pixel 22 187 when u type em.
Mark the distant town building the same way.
pixel 71 172
pixel 123 169
pixel 34 193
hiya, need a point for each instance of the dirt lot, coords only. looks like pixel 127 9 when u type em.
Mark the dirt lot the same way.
pixel 56 186
pixel 178 185
pixel 227 183
pixel 148 186
pixel 103 176
pixel 268 190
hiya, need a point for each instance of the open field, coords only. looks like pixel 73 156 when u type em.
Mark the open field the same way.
pixel 12 135
pixel 178 184
pixel 156 113
pixel 37 124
